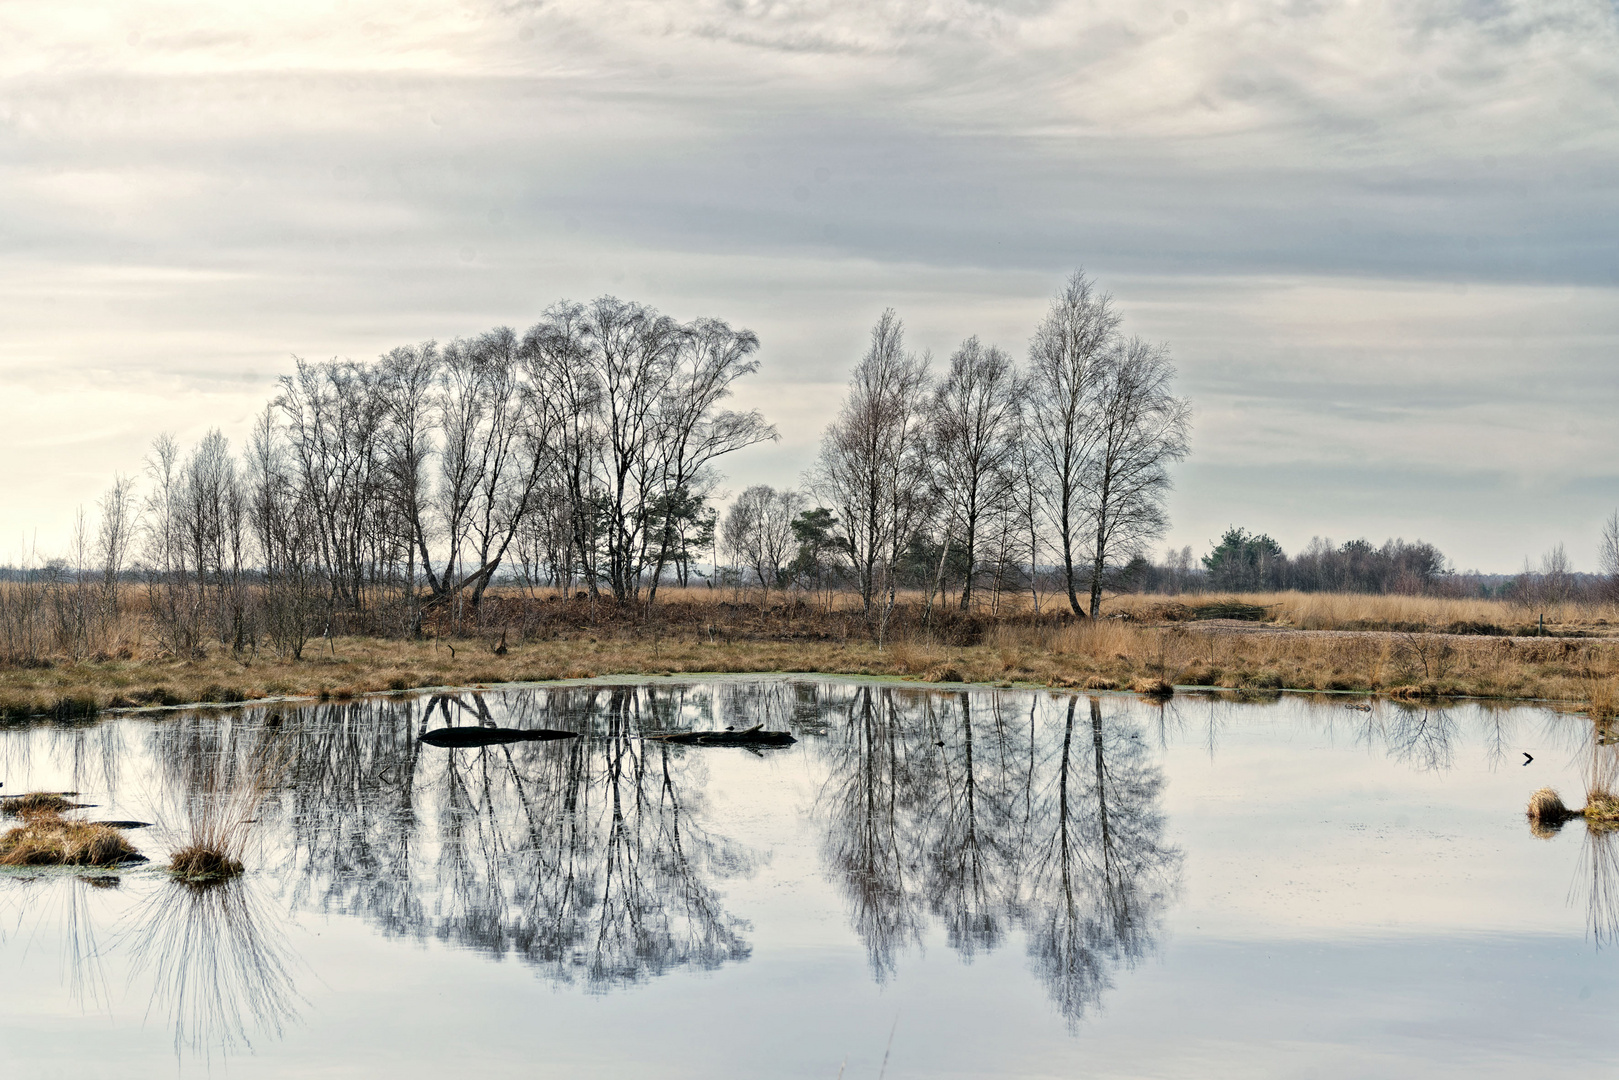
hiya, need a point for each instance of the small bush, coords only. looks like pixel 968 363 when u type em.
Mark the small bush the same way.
pixel 1229 609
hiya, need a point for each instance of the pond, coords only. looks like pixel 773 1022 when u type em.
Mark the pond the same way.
pixel 928 882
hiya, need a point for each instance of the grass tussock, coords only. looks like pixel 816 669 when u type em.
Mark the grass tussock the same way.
pixel 199 863
pixel 1601 808
pixel 47 839
pixel 36 803
pixel 1547 813
pixel 221 809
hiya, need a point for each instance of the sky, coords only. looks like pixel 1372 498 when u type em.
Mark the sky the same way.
pixel 1380 239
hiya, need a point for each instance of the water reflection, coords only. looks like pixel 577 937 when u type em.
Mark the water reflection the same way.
pixel 990 820
pixel 591 859
pixel 986 819
pixel 219 963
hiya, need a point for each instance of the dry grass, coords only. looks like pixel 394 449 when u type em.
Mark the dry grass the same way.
pixel 1356 611
pixel 1547 813
pixel 35 803
pixel 220 811
pixel 47 839
pixel 199 862
pixel 1602 809
pixel 1117 652
pixel 1603 696
pixel 1140 650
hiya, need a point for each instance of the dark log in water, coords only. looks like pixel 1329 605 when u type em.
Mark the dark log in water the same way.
pixel 752 737
pixel 491 736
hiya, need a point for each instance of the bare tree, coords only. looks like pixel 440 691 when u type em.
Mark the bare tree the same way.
pixel 1608 554
pixel 1140 427
pixel 974 419
pixel 1556 578
pixel 694 432
pixel 115 538
pixel 872 466
pixel 1067 349
pixel 758 530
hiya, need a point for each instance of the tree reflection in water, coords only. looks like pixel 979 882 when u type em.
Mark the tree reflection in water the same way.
pixel 980 815
pixel 589 858
pixel 956 807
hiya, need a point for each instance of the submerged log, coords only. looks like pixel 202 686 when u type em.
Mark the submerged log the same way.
pixel 491 736
pixel 753 736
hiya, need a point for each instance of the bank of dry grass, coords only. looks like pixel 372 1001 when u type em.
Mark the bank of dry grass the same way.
pixel 1111 654
pixel 1354 611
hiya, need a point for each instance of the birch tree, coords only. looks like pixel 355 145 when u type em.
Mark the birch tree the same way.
pixel 1068 346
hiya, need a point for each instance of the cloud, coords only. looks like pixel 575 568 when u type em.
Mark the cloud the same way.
pixel 1377 236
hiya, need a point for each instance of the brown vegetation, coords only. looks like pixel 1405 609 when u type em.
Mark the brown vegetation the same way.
pixel 1547 813
pixel 45 838
pixel 36 802
pixel 197 862
pixel 1403 646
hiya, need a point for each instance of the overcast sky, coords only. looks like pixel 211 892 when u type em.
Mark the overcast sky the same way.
pixel 1381 240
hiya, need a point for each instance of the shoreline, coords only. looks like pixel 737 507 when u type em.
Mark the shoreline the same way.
pixel 1568 674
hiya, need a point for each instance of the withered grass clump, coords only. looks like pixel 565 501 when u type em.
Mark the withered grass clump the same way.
pixel 35 803
pixel 221 808
pixel 1547 813
pixel 199 863
pixel 47 840
pixel 1602 808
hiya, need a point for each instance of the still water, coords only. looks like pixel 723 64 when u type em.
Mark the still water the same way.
pixel 929 883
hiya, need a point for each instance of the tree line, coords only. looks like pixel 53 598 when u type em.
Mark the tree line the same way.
pixel 1241 561
pixel 987 476
pixel 581 451
pixel 581 456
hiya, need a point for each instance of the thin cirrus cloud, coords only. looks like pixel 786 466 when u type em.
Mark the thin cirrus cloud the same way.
pixel 1380 238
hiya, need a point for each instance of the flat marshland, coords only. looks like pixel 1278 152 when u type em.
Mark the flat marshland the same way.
pixel 1409 646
